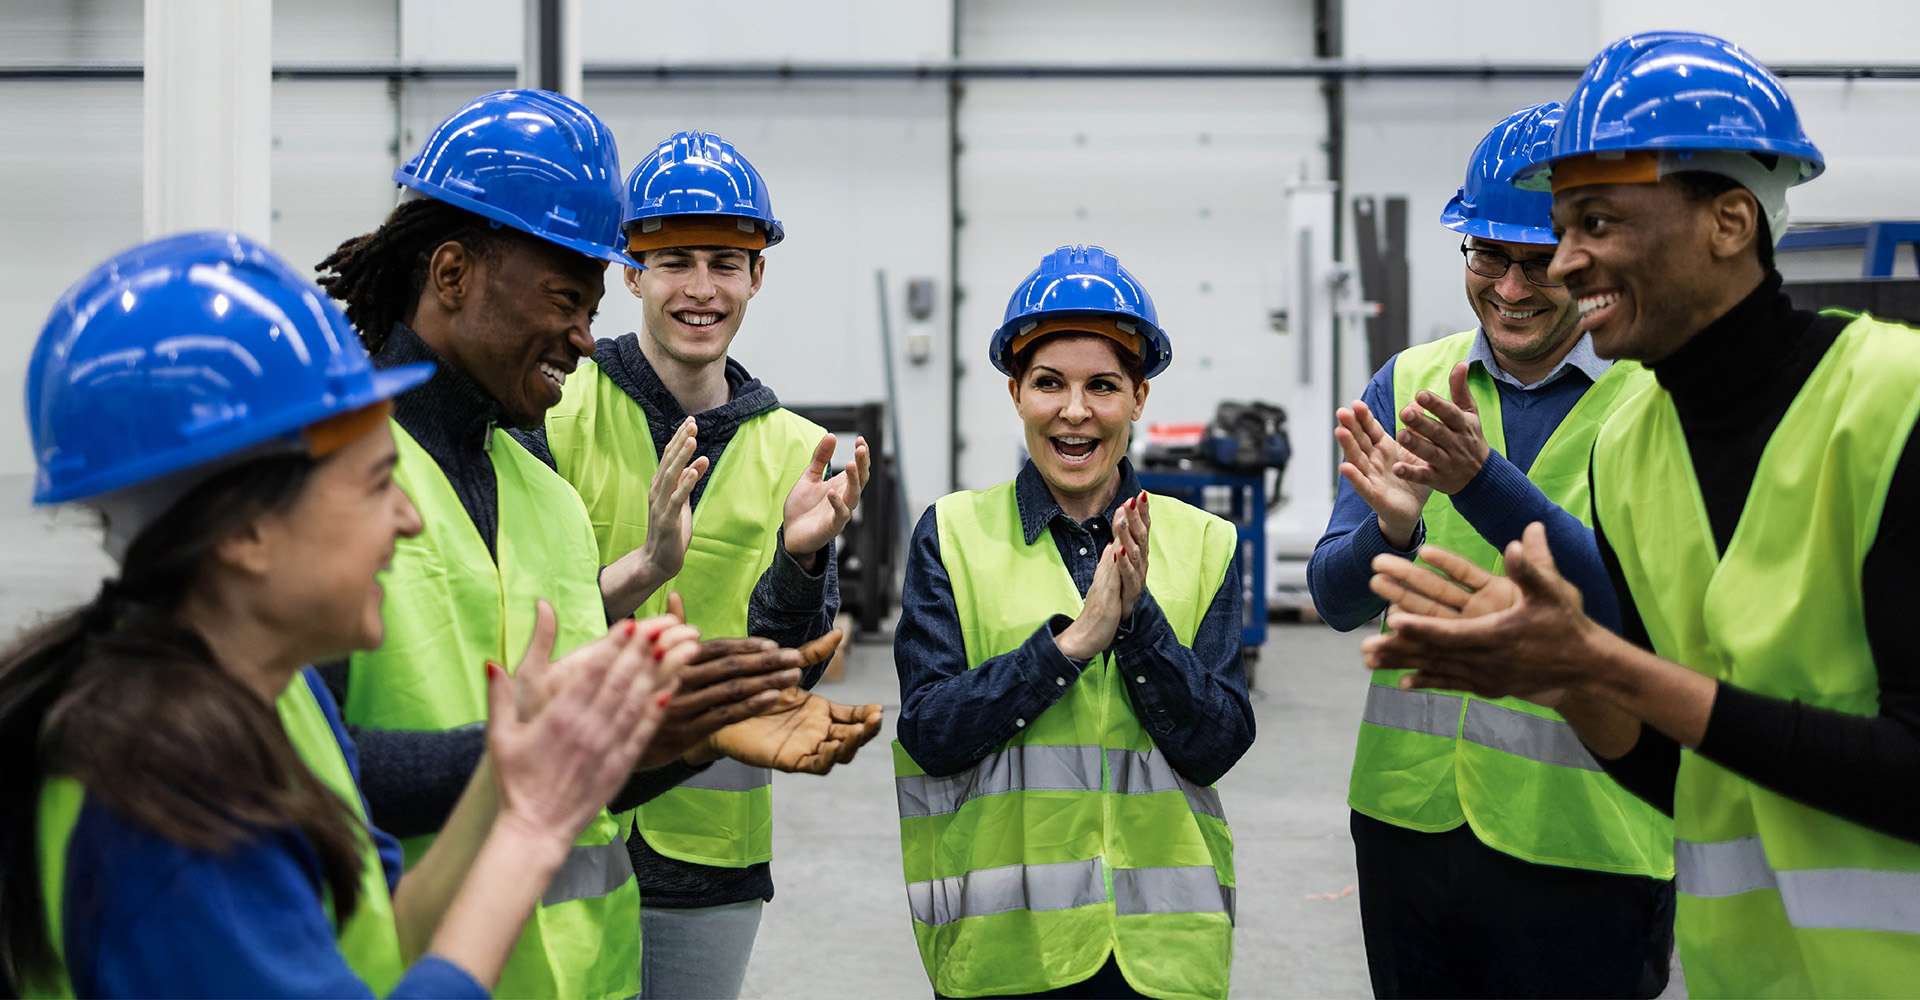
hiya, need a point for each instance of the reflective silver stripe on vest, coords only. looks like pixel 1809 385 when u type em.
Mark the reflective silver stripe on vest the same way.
pixel 1185 889
pixel 589 873
pixel 1721 868
pixel 1143 772
pixel 1038 888
pixel 1021 768
pixel 1426 712
pixel 729 775
pixel 1549 741
pixel 1863 899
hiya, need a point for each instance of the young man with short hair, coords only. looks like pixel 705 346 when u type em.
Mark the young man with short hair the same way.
pixel 682 455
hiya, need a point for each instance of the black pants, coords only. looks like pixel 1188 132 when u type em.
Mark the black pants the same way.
pixel 1107 984
pixel 1444 915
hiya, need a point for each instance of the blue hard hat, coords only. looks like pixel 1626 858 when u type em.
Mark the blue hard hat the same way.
pixel 1076 281
pixel 182 351
pixel 1487 204
pixel 537 161
pixel 1677 91
pixel 699 173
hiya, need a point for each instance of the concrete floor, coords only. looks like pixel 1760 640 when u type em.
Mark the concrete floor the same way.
pixel 839 925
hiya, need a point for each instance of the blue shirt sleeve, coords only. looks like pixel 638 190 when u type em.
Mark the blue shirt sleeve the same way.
pixel 952 717
pixel 1500 501
pixel 147 917
pixel 1192 700
pixel 1342 561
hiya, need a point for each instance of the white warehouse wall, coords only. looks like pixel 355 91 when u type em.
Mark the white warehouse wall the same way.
pixel 857 171
pixel 1182 179
pixel 1413 137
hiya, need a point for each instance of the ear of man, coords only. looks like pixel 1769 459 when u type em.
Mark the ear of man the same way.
pixel 451 275
pixel 1735 217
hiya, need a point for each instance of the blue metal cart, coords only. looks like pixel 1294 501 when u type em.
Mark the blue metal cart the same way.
pixel 1241 499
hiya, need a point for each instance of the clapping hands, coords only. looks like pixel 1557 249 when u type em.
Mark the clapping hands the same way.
pixel 1117 584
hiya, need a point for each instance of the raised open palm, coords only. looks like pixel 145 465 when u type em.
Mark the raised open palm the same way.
pixel 1371 468
pixel 819 506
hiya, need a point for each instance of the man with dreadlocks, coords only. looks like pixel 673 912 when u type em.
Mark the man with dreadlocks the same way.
pixel 493 271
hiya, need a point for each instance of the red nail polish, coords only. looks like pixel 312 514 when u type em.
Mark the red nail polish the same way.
pixel 632 627
pixel 665 696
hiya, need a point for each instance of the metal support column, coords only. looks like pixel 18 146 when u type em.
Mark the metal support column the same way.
pixel 208 124
pixel 550 59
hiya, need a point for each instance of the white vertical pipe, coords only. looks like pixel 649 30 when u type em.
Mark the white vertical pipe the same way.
pixel 208 125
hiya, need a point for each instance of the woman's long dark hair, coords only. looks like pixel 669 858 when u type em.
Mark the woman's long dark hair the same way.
pixel 121 697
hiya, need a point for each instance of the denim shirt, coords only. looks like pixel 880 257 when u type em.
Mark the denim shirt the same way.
pixel 1192 700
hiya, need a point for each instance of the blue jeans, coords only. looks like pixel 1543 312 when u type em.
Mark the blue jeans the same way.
pixel 697 953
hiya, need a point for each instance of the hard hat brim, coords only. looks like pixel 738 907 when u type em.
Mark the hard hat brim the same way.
pixel 611 255
pixel 380 384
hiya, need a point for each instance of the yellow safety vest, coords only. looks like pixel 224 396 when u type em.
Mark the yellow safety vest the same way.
pixel 1077 839
pixel 449 608
pixel 1776 898
pixel 598 435
pixel 1516 772
pixel 369 941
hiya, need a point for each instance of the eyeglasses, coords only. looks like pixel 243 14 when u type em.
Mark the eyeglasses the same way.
pixel 1494 264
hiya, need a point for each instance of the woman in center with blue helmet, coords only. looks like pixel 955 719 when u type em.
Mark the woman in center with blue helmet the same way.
pixel 1071 683
pixel 749 546
pixel 179 811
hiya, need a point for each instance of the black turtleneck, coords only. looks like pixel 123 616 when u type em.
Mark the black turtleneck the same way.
pixel 1731 384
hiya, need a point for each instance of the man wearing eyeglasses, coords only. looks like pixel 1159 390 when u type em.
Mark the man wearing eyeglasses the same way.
pixel 1495 857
